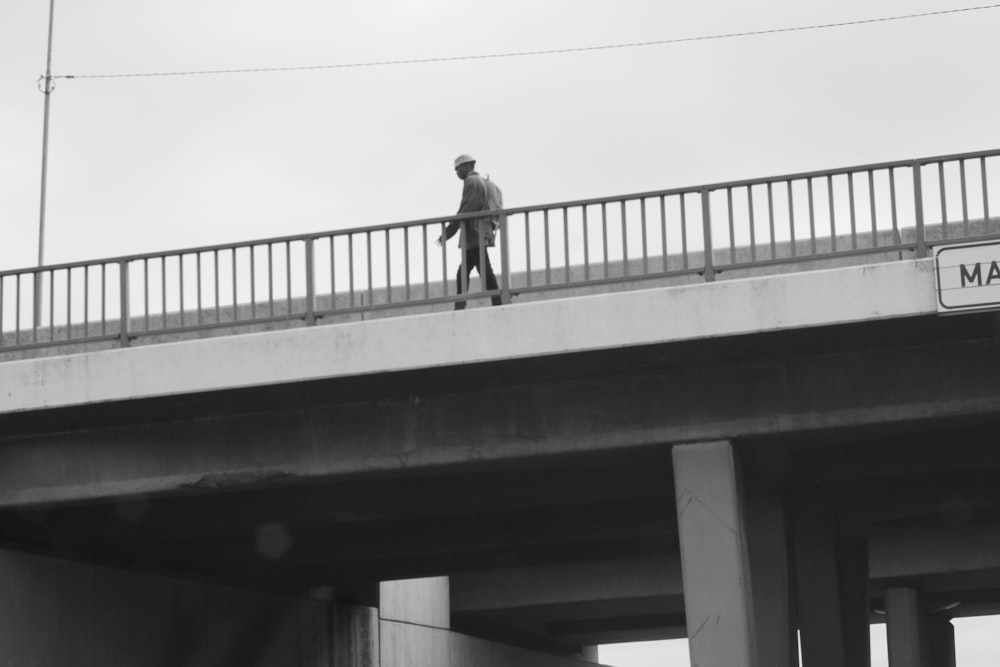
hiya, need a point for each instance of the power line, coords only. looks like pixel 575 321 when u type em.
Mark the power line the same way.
pixel 522 54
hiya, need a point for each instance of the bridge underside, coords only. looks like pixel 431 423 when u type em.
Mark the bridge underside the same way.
pixel 543 487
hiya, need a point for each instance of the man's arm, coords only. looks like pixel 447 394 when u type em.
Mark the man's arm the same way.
pixel 473 199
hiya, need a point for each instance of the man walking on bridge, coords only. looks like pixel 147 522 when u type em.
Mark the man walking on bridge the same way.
pixel 478 194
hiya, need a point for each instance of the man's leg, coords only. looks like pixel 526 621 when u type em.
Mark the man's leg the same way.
pixel 490 279
pixel 462 281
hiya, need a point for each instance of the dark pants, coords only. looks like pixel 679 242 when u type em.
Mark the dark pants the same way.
pixel 472 256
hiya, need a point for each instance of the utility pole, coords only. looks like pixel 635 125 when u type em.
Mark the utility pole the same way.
pixel 45 164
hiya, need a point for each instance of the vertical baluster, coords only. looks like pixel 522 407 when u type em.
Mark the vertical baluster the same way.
pixel 770 218
pixel 104 299
pixel 198 285
pixel 236 302
pixel 288 279
pixel 145 290
pixel 406 260
pixel 350 268
pixel 753 225
pixel 706 230
pixel 548 258
pixel 180 285
pixel 663 230
pixel 833 213
pixel 645 243
pixel 965 200
pixel 732 229
pixel 944 201
pixel 253 282
pixel 986 198
pixel 310 282
pixel 871 204
pixel 163 288
pixel 791 216
pixel 444 260
pixel 892 206
pixel 812 216
pixel 270 279
pixel 625 268
pixel 124 323
pixel 426 252
pixel 333 271
pixel 69 302
pixel 565 215
pixel 684 231
pixel 368 263
pixel 527 246
pixel 52 304
pixel 17 310
pixel 918 207
pixel 215 273
pixel 388 273
pixel 586 244
pixel 604 235
pixel 850 199
pixel 86 303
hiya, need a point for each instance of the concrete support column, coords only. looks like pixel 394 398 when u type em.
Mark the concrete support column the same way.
pixel 832 593
pixel 905 636
pixel 355 636
pixel 717 597
pixel 915 637
pixel 941 641
pixel 770 561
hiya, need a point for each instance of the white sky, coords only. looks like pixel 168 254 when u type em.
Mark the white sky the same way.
pixel 147 164
pixel 975 641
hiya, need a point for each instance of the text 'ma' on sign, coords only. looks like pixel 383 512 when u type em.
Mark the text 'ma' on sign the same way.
pixel 968 276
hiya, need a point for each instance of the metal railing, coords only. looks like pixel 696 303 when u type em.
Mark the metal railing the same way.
pixel 892 207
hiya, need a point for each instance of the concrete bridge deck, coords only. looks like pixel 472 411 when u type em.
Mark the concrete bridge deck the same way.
pixel 740 461
pixel 526 451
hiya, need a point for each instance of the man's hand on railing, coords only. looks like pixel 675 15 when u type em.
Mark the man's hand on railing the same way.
pixel 440 241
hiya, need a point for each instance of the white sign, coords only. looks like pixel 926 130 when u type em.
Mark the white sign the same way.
pixel 968 276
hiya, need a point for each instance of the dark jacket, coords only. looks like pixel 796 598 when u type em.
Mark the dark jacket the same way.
pixel 474 198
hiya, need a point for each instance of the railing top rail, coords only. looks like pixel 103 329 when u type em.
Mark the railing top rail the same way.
pixel 509 211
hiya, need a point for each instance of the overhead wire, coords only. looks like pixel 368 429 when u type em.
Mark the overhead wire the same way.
pixel 522 54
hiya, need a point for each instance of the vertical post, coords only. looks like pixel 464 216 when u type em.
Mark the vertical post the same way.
pixel 310 285
pixel 504 261
pixel 123 321
pixel 918 204
pixel 706 222
pixel 45 163
pixel 904 628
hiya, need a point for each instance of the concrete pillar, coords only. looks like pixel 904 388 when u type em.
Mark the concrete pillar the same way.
pixel 831 587
pixel 423 601
pixel 916 637
pixel 904 620
pixel 770 560
pixel 941 641
pixel 717 597
pixel 59 612
pixel 355 636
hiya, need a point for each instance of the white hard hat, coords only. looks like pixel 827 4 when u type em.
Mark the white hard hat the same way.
pixel 462 159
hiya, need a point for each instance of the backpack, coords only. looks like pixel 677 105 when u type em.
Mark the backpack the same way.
pixel 494 202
